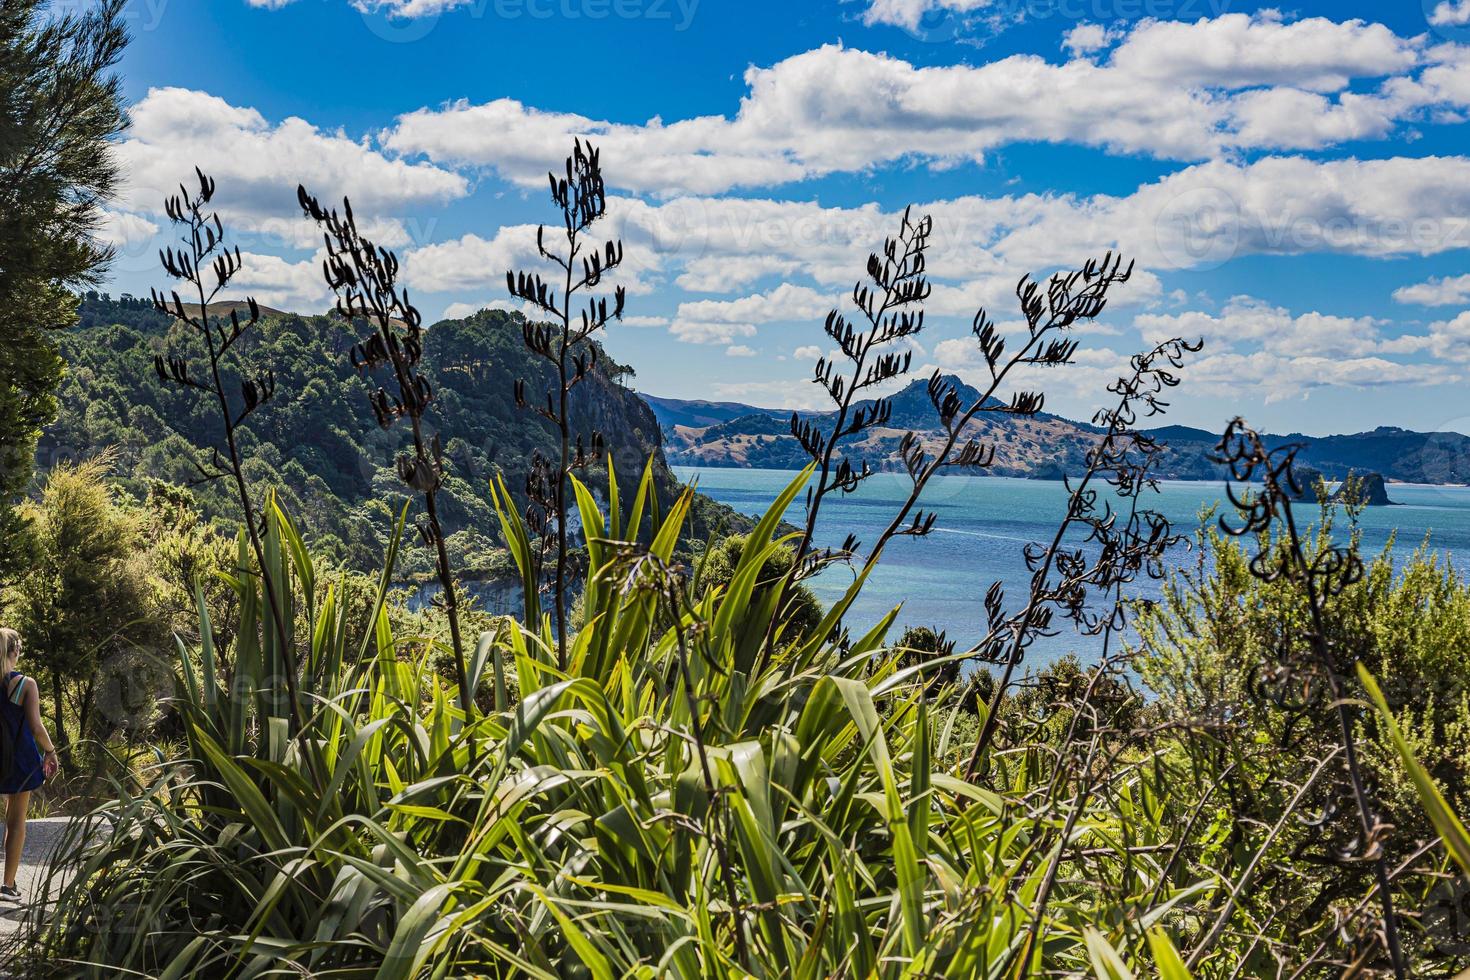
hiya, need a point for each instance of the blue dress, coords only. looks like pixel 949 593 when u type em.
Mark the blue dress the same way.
pixel 25 773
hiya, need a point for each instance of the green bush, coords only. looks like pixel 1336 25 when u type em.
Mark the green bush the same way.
pixel 690 799
pixel 1209 651
pixel 802 610
pixel 670 806
pixel 88 607
pixel 1204 647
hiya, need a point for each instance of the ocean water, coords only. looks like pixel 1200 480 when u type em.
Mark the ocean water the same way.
pixel 985 522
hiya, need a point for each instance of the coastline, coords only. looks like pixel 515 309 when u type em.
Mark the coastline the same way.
pixel 677 467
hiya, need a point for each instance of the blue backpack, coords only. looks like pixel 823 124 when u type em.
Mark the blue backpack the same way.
pixel 8 737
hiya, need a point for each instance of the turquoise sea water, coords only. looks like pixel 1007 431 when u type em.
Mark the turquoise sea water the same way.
pixel 985 522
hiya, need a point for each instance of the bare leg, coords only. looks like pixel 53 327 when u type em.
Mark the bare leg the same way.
pixel 16 806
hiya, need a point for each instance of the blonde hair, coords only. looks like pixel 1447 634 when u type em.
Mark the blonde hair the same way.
pixel 9 645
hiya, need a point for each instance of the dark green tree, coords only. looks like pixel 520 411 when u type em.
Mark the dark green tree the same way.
pixel 59 111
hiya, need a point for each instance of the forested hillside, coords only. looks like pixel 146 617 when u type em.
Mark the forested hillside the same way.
pixel 317 441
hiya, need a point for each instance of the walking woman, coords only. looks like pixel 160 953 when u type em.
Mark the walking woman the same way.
pixel 27 757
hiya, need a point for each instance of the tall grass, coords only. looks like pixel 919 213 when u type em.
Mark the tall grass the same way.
pixel 667 806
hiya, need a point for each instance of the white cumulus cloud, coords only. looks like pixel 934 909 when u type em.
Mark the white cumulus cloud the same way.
pixel 258 164
pixel 1170 89
pixel 1436 291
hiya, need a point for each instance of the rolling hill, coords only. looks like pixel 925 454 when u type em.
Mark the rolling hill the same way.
pixel 1043 447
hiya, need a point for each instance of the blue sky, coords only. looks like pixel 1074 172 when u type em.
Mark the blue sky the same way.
pixel 1295 183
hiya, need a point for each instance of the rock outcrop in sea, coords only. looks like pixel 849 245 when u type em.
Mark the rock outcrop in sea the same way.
pixel 1307 480
pixel 1049 470
pixel 1368 490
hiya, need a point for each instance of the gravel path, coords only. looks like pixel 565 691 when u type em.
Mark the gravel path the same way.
pixel 42 836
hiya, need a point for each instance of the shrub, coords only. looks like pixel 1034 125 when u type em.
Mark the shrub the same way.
pixel 1205 649
pixel 801 612
pixel 662 807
